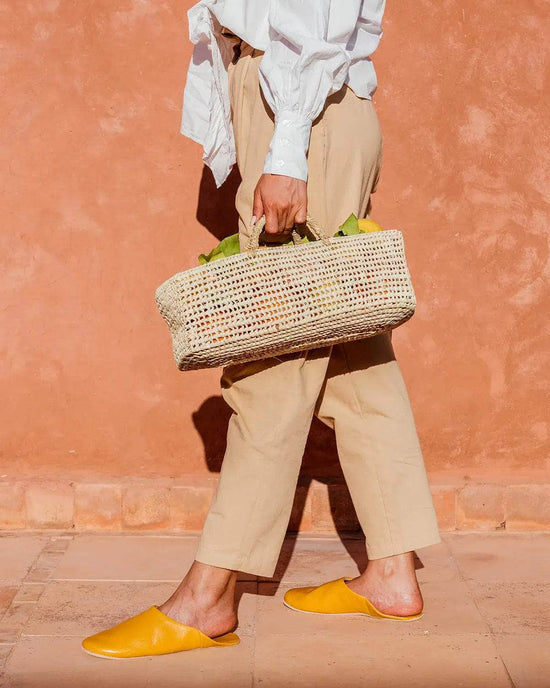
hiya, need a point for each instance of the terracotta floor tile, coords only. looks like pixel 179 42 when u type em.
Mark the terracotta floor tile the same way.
pixel 527 658
pixel 129 557
pixel 7 593
pixel 38 574
pixel 312 560
pixel 58 543
pixel 49 559
pixel 344 660
pixel 18 552
pixel 501 556
pixel 59 662
pixel 16 617
pixel 81 608
pixel 517 608
pixel 29 592
pixel 5 651
pixel 8 635
pixel 436 563
pixel 307 561
pixel 448 609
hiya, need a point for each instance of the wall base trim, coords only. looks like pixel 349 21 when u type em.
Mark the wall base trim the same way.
pixel 319 507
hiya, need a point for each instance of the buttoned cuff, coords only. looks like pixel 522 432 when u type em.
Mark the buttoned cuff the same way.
pixel 289 146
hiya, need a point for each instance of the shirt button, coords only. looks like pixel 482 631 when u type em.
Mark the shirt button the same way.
pixel 279 163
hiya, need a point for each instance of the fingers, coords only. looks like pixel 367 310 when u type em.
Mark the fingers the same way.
pixel 275 212
pixel 301 214
pixel 272 223
pixel 283 200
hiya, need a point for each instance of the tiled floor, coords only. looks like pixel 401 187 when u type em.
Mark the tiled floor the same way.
pixel 486 622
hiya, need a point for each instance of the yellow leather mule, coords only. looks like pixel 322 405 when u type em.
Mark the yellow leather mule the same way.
pixel 335 597
pixel 151 633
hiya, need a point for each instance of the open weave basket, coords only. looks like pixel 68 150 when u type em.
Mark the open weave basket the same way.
pixel 279 299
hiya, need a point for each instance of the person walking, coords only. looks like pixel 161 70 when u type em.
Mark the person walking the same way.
pixel 284 90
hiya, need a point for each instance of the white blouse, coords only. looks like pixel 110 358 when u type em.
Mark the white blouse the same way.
pixel 311 49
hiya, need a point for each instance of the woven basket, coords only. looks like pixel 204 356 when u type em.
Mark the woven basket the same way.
pixel 279 299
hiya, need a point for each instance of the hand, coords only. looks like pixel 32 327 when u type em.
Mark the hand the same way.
pixel 283 201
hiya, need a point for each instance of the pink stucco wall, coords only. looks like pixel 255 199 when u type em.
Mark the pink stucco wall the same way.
pixel 103 199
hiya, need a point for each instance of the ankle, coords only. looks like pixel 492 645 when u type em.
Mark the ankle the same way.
pixel 206 586
pixel 205 597
pixel 397 566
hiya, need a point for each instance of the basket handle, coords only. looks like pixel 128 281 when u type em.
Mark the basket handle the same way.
pixel 254 238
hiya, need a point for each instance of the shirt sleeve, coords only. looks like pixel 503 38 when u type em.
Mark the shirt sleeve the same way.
pixel 305 62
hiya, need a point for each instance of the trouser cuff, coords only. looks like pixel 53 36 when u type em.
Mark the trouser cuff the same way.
pixel 412 545
pixel 234 562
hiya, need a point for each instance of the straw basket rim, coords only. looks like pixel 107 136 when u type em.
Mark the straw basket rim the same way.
pixel 237 257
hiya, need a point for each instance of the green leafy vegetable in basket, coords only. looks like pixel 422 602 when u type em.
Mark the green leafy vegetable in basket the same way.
pixel 354 226
pixel 227 247
pixel 230 245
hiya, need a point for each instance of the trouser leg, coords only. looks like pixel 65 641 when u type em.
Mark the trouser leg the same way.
pixel 272 402
pixel 365 400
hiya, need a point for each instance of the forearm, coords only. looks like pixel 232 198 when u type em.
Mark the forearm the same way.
pixel 303 64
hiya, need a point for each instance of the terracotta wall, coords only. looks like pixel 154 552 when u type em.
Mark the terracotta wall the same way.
pixel 103 199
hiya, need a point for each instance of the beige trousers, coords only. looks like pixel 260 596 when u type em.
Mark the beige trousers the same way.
pixel 356 388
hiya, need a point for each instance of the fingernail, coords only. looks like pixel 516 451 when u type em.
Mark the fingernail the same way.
pixel 253 221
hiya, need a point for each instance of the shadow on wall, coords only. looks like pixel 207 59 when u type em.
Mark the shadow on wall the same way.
pixel 320 457
pixel 216 207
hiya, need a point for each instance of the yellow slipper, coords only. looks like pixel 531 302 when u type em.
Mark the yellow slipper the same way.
pixel 335 597
pixel 151 633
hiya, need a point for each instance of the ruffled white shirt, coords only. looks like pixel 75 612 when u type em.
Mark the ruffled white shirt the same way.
pixel 311 49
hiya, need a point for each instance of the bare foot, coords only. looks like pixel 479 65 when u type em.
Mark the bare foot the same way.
pixel 205 599
pixel 390 584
